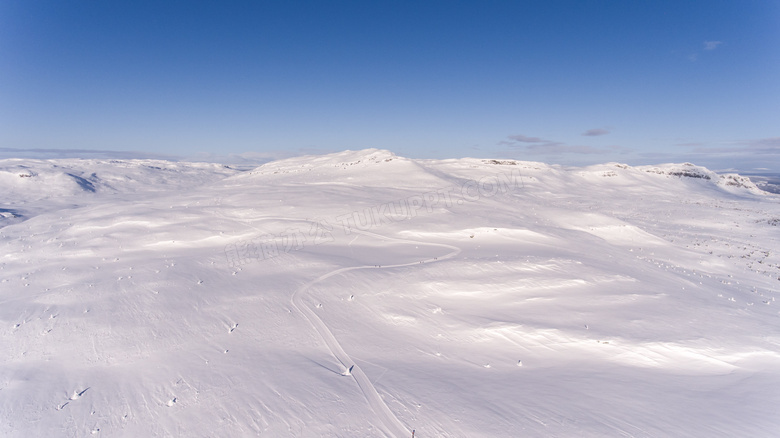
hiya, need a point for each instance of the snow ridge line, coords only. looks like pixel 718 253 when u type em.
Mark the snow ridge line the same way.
pixel 392 426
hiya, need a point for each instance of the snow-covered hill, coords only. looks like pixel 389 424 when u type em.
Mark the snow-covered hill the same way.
pixel 365 294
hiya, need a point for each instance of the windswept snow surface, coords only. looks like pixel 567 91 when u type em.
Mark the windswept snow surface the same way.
pixel 362 294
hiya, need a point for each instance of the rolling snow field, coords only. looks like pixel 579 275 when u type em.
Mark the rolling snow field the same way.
pixel 361 294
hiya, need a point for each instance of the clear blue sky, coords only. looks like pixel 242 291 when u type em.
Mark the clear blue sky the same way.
pixel 570 82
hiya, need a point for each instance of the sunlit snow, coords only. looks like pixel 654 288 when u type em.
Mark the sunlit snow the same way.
pixel 363 294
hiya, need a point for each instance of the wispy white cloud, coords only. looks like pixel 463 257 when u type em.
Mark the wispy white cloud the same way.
pixel 595 132
pixel 712 45
pixel 707 46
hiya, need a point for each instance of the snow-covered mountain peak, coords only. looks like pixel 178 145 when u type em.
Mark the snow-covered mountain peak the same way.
pixel 343 159
pixel 368 167
pixel 727 181
pixel 686 170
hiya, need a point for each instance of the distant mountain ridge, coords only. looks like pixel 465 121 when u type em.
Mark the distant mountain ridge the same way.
pixel 28 178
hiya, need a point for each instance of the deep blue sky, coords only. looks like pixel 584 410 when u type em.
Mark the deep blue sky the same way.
pixel 652 81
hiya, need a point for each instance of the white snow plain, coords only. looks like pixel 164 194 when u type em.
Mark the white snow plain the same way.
pixel 361 294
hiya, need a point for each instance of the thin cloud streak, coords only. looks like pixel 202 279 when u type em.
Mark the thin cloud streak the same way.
pixel 712 45
pixel 526 139
pixel 756 146
pixel 43 153
pixel 560 148
pixel 760 146
pixel 539 146
pixel 595 132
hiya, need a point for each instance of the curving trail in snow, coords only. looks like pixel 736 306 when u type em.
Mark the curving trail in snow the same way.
pixel 392 426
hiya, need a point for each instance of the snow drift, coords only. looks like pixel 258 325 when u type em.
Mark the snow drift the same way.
pixel 365 294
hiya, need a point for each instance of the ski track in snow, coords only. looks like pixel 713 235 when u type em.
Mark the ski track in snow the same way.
pixel 392 426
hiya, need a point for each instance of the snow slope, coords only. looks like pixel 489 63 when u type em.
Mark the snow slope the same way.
pixel 365 294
